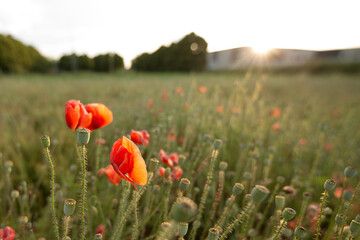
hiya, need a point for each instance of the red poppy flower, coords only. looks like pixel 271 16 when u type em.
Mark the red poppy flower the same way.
pixel 101 115
pixel 161 171
pixel 171 135
pixel 328 147
pixel 202 89
pixel 113 177
pixel 150 103
pixel 235 110
pixel 100 228
pixel 76 115
pixel 275 112
pixel 176 174
pixel 219 109
pixel 174 158
pixel 164 96
pixel 99 141
pixel 7 233
pixel 165 158
pixel 140 137
pixel 276 127
pixel 179 90
pixel 126 159
pixel 302 142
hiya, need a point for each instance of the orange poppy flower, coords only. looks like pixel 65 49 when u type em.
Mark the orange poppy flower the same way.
pixel 176 174
pixel 171 160
pixel 101 115
pixel 113 177
pixel 179 90
pixel 235 110
pixel 7 233
pixel 171 135
pixel 76 115
pixel 126 159
pixel 276 127
pixel 161 171
pixel 150 103
pixel 328 146
pixel 164 96
pixel 219 109
pixel 275 112
pixel 302 142
pixel 100 228
pixel 140 137
pixel 202 89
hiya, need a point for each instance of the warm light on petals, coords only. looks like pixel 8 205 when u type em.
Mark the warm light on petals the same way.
pixel 101 115
pixel 113 177
pixel 140 137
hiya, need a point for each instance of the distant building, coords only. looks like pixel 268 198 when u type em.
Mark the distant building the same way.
pixel 244 57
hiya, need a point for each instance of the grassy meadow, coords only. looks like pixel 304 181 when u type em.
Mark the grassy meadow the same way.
pixel 288 133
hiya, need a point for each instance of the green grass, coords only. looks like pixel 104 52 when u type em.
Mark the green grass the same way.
pixel 319 108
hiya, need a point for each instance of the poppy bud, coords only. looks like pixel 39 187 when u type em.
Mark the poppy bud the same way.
pixel 247 175
pixel 45 141
pixel 213 234
pixel 329 185
pixel 259 193
pixel 350 172
pixel 288 214
pixel 279 202
pixel 287 232
pixel 354 227
pixel 154 164
pixel 167 173
pixel 339 219
pixel 183 228
pixel 217 144
pixel 237 189
pixel 357 218
pixel 223 165
pixel 300 232
pixel 280 179
pixel 184 184
pixel 348 195
pixel 83 136
pixel 156 189
pixel 328 211
pixel 69 207
pixel 252 233
pixel 8 166
pixel 306 195
pixel 184 210
pixel 14 194
pixel 98 236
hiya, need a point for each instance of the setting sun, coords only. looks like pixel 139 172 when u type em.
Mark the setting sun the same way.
pixel 261 49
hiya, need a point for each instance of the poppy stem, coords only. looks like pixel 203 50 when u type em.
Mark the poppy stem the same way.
pixel 83 190
pixel 66 225
pixel 323 200
pixel 279 231
pixel 52 193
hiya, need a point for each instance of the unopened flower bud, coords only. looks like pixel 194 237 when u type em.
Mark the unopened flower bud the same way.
pixel 45 141
pixel 280 179
pixel 306 195
pixel 339 218
pixel 329 185
pixel 98 236
pixel 154 164
pixel 354 227
pixel 217 144
pixel 156 189
pixel 14 194
pixel 288 214
pixel 237 189
pixel 247 175
pixel 350 172
pixel 300 232
pixel 213 234
pixel 259 193
pixel 69 206
pixel 328 211
pixel 184 184
pixel 223 165
pixel 184 210
pixel 183 228
pixel 348 195
pixel 83 136
pixel 279 202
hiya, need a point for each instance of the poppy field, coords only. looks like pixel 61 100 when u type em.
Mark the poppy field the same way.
pixel 179 156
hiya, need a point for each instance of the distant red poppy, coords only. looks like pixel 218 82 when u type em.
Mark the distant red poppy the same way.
pixel 99 141
pixel 176 174
pixel 113 177
pixel 202 89
pixel 150 103
pixel 164 96
pixel 336 113
pixel 76 115
pixel 275 112
pixel 171 135
pixel 219 109
pixel 161 171
pixel 140 137
pixel 293 223
pixel 100 229
pixel 338 191
pixel 171 160
pixel 303 142
pixel 235 110
pixel 328 146
pixel 126 159
pixel 101 115
pixel 179 90
pixel 7 233
pixel 276 127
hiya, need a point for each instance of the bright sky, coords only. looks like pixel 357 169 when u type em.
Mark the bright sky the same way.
pixel 133 27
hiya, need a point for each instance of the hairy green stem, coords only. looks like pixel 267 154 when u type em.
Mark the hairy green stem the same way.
pixel 83 190
pixel 302 212
pixel 279 231
pixel 320 214
pixel 222 218
pixel 66 226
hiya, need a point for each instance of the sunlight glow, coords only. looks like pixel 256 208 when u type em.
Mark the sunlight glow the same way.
pixel 261 49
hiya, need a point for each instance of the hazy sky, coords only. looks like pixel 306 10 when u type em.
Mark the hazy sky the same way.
pixel 133 27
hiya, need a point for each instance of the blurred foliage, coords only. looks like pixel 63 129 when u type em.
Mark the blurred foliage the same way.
pixel 17 57
pixel 189 54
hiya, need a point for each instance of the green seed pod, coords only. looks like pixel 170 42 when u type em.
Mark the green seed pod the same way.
pixel 156 189
pixel 213 234
pixel 248 197
pixel 259 193
pixel 306 195
pixel 183 228
pixel 280 179
pixel 279 202
pixel 83 136
pixel 167 173
pixel 223 165
pixel 354 227
pixel 184 184
pixel 14 194
pixel 182 159
pixel 184 210
pixel 247 175
pixel 348 195
pixel 329 185
pixel 339 219
pixel 300 232
pixel 289 190
pixel 288 214
pixel 45 141
pixel 154 164
pixel 252 233
pixel 217 144
pixel 23 219
pixel 165 225
pixel 237 189
pixel 328 211
pixel 350 172
pixel 98 236
pixel 69 207
pixel 287 232
pixel 357 218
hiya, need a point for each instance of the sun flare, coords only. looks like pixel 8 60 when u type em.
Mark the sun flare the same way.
pixel 261 49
